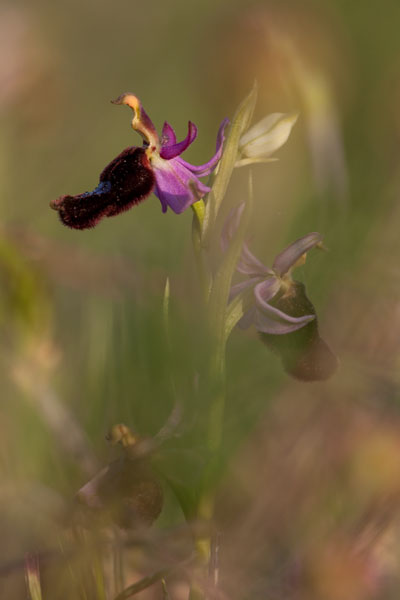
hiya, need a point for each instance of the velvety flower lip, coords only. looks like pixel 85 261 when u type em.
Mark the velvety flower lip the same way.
pixel 156 166
pixel 126 181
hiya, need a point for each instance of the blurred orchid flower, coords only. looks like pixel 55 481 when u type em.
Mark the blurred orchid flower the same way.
pixel 126 492
pixel 137 171
pixel 269 283
pixel 265 137
pixel 277 305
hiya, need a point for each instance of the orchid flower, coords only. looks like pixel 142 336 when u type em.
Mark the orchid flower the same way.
pixel 279 308
pixel 154 167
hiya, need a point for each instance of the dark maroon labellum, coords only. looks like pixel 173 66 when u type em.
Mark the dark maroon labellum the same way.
pixel 304 354
pixel 126 181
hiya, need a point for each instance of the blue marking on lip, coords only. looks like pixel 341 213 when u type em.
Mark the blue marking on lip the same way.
pixel 103 188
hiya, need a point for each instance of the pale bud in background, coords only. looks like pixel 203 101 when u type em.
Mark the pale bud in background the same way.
pixel 267 136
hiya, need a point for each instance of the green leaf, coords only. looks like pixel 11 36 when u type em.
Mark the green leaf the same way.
pixel 240 123
pixel 165 308
pixel 236 309
pixel 222 282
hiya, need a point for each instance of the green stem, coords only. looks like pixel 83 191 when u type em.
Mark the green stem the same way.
pixel 218 314
pixel 205 508
pixel 226 166
pixel 216 415
pixel 98 574
pixel 216 295
pixel 197 225
pixel 118 564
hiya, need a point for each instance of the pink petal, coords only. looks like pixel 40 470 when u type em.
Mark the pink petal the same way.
pixel 168 136
pixel 172 150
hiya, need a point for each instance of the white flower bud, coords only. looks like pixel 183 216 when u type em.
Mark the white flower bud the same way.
pixel 266 136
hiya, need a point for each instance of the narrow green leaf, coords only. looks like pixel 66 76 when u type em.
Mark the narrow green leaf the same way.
pixel 166 308
pixel 222 282
pixel 240 123
pixel 236 310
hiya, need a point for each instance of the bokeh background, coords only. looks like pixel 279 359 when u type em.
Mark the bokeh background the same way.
pixel 310 499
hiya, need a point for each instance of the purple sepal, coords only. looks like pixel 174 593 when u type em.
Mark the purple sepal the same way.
pixel 248 264
pixel 172 186
pixel 171 150
pixel 248 315
pixel 204 170
pixel 288 257
pixel 242 286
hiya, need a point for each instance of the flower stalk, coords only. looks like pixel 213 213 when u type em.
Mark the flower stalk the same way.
pixel 217 295
pixel 204 276
pixel 253 146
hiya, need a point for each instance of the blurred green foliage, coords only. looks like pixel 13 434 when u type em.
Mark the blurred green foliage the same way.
pixel 81 311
